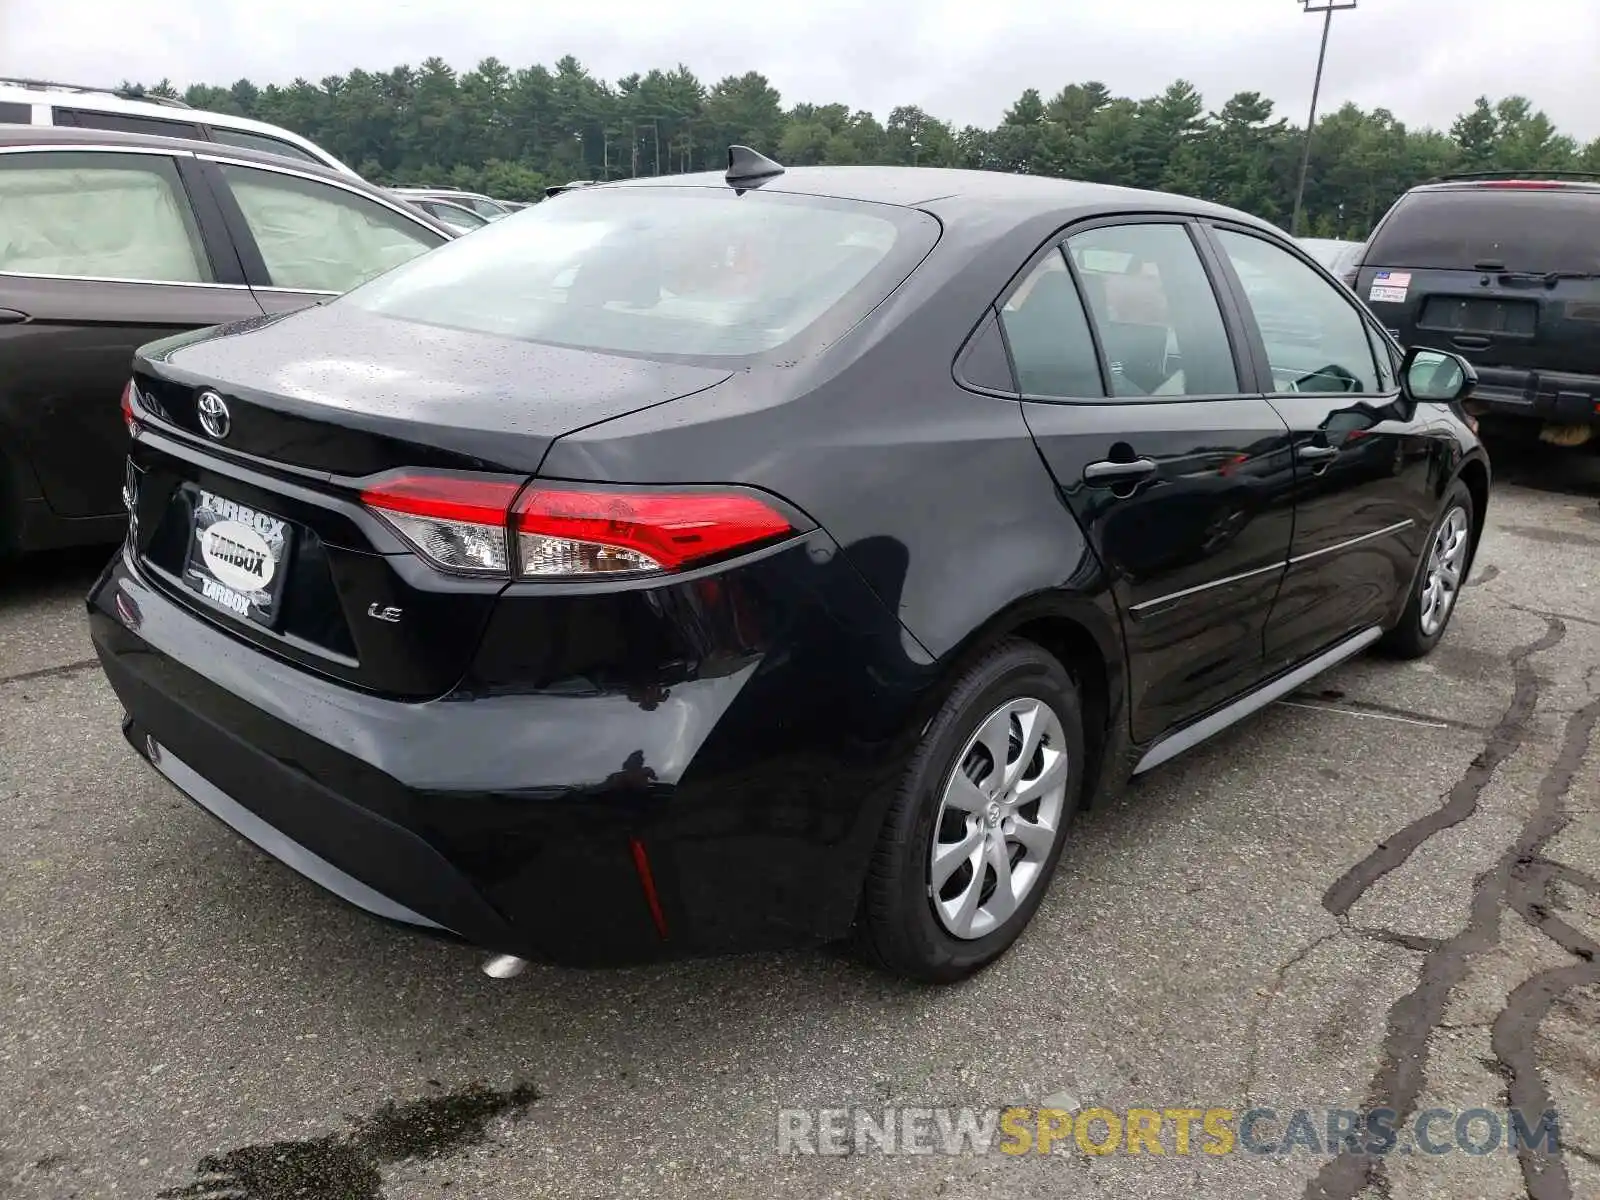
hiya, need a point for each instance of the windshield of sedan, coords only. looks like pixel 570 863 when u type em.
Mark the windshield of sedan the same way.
pixel 661 271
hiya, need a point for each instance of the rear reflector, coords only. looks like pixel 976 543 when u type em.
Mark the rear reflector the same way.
pixel 476 524
pixel 456 522
pixel 570 531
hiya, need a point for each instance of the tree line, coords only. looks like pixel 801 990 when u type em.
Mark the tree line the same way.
pixel 511 132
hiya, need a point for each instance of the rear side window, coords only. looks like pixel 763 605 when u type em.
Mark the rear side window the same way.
pixel 1501 228
pixel 98 216
pixel 1051 348
pixel 89 118
pixel 1152 303
pixel 259 141
pixel 452 214
pixel 317 237
pixel 15 114
pixel 678 271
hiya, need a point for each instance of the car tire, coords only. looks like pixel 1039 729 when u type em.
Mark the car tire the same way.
pixel 939 934
pixel 1449 539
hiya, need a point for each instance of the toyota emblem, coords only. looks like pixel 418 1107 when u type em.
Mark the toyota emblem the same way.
pixel 214 417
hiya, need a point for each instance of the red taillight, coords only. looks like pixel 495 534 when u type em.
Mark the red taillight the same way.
pixel 575 531
pixel 128 418
pixel 562 531
pixel 456 522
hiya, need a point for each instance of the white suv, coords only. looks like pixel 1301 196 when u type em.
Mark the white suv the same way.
pixel 39 102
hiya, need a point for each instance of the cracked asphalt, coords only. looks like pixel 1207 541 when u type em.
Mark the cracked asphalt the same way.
pixel 1382 893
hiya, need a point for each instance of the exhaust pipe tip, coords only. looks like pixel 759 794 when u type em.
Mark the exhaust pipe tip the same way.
pixel 504 966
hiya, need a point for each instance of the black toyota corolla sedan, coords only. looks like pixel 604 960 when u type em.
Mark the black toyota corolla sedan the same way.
pixel 737 561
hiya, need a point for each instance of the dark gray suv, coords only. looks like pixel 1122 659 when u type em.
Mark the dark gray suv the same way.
pixel 112 240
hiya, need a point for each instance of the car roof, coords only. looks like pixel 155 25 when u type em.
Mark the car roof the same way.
pixel 162 108
pixel 953 192
pixel 71 137
pixel 62 137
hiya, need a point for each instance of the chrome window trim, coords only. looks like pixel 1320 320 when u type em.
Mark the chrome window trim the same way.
pixel 227 287
pixel 95 148
pixel 298 291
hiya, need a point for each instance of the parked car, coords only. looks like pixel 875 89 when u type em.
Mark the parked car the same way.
pixel 458 216
pixel 1340 257
pixel 484 206
pixel 112 239
pixel 41 102
pixel 1506 272
pixel 732 561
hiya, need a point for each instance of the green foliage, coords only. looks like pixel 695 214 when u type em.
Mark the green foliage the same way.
pixel 511 132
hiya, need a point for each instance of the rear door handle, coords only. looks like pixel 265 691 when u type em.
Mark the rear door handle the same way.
pixel 10 316
pixel 1471 342
pixel 1109 474
pixel 1309 453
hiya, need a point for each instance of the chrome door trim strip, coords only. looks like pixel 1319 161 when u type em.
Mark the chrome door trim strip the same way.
pixel 1205 587
pixel 1355 541
pixel 1190 736
pixel 1145 605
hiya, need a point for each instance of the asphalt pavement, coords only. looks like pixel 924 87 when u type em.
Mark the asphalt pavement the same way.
pixel 1384 892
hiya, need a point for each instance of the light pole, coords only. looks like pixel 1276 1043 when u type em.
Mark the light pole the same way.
pixel 1327 8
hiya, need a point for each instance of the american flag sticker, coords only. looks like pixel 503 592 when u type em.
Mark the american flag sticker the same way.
pixel 1389 287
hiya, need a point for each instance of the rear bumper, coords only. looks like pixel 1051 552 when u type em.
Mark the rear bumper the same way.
pixel 1550 396
pixel 515 821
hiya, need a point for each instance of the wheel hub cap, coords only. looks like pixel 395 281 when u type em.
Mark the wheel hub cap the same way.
pixel 999 818
pixel 1447 559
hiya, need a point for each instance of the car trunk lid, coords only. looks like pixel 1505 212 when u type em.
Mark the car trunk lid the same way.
pixel 256 522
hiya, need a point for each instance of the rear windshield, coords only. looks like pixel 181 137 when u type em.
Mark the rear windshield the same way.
pixel 680 271
pixel 1509 229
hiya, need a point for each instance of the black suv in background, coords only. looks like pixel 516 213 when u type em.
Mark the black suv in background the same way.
pixel 1506 272
pixel 111 240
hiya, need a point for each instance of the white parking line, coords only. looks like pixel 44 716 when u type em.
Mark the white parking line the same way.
pixel 1350 712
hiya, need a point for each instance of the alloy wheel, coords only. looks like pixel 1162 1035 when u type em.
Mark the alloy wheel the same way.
pixel 999 817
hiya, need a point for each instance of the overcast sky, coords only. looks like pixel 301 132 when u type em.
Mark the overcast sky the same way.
pixel 963 61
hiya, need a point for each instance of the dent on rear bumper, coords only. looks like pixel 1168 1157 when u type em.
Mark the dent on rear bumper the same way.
pixel 509 818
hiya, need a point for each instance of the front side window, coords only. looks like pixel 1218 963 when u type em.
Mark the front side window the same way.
pixel 317 237
pixel 98 215
pixel 1152 305
pixel 679 271
pixel 1316 339
pixel 260 141
pixel 487 209
pixel 1052 350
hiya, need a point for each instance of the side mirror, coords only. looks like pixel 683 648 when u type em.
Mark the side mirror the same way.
pixel 1437 375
